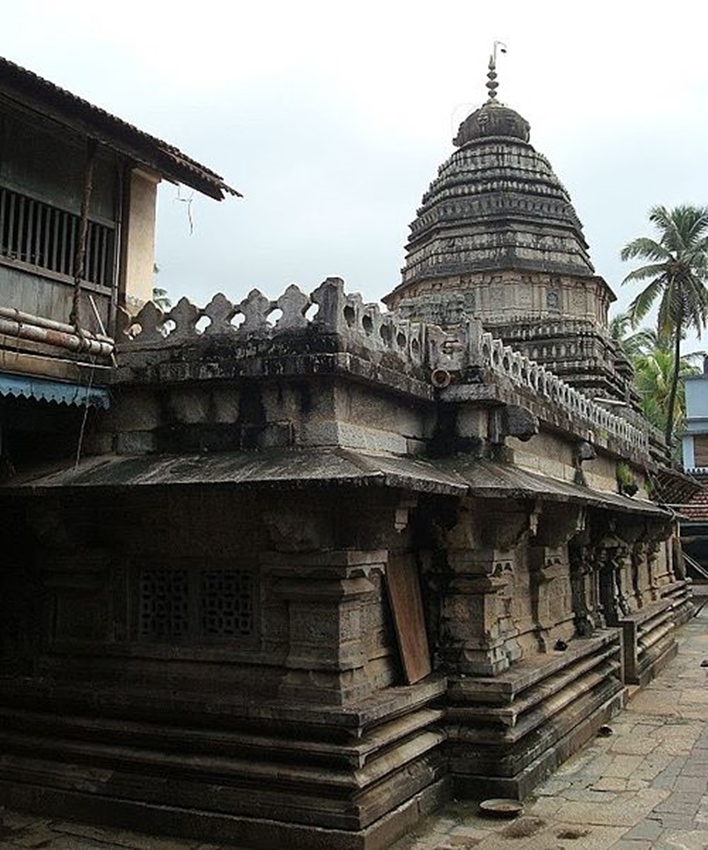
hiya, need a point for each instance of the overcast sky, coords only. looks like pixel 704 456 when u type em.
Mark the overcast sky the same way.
pixel 333 117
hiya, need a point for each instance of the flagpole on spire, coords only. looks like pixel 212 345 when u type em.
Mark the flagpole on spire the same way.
pixel 492 84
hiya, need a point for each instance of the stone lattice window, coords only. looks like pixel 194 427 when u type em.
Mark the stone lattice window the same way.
pixel 227 603
pixel 177 603
pixel 164 603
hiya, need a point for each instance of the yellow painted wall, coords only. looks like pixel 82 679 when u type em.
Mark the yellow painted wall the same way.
pixel 140 254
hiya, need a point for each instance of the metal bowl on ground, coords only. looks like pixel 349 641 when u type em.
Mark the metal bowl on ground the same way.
pixel 501 808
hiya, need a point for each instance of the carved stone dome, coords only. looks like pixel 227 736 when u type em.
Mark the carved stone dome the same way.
pixel 492 119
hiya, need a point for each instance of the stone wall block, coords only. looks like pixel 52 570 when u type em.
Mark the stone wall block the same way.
pixel 327 618
pixel 135 442
pixel 140 413
pixel 190 407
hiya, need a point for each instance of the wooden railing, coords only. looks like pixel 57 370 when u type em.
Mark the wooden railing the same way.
pixel 42 236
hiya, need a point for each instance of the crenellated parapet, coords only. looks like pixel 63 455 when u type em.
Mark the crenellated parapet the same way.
pixel 326 310
pixel 461 355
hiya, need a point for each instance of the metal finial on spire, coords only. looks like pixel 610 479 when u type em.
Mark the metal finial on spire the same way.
pixel 492 84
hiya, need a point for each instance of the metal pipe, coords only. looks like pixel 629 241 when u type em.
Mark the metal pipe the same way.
pixel 61 339
pixel 33 364
pixel 440 378
pixel 21 318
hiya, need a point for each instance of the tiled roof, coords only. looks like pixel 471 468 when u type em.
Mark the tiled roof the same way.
pixel 697 508
pixel 48 99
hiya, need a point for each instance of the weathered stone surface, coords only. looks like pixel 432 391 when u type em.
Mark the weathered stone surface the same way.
pixel 197 630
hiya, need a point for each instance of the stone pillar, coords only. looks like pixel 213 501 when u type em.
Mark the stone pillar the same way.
pixel 631 535
pixel 639 573
pixel 478 634
pixel 598 583
pixel 653 551
pixel 550 594
pixel 325 593
pixel 582 583
pixel 476 624
pixel 622 562
pixel 613 563
pixel 549 565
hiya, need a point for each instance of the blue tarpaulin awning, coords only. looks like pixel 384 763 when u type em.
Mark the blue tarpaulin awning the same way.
pixel 43 389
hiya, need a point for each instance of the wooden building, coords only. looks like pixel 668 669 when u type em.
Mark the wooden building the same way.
pixel 77 225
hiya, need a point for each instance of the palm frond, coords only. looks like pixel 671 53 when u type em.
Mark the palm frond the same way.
pixel 647 249
pixel 643 303
pixel 681 227
pixel 619 325
pixel 644 272
pixel 676 276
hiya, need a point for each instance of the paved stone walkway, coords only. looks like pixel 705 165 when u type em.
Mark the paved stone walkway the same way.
pixel 645 786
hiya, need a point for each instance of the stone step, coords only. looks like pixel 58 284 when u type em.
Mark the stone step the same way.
pixel 354 752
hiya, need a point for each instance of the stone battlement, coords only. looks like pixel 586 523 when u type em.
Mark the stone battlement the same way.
pixel 459 355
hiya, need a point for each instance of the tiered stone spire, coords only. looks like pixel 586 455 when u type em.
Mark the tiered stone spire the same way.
pixel 496 204
pixel 496 236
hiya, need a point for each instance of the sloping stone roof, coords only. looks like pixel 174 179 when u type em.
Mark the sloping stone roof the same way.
pixel 458 475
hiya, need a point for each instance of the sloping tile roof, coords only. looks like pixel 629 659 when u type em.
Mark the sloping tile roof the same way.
pixel 48 99
pixel 697 509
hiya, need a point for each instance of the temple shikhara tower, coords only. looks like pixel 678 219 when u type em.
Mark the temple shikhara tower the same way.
pixel 318 567
pixel 497 237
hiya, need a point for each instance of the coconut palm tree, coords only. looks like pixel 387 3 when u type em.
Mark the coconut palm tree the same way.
pixel 677 271
pixel 653 375
pixel 633 344
pixel 160 298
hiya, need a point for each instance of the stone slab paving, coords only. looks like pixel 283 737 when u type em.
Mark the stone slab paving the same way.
pixel 645 787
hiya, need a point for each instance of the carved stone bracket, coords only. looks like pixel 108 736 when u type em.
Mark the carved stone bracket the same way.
pixel 512 420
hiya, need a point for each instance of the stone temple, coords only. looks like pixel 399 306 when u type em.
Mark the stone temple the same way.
pixel 321 567
pixel 497 237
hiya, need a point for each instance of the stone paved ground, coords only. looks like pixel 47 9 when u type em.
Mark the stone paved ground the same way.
pixel 646 786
